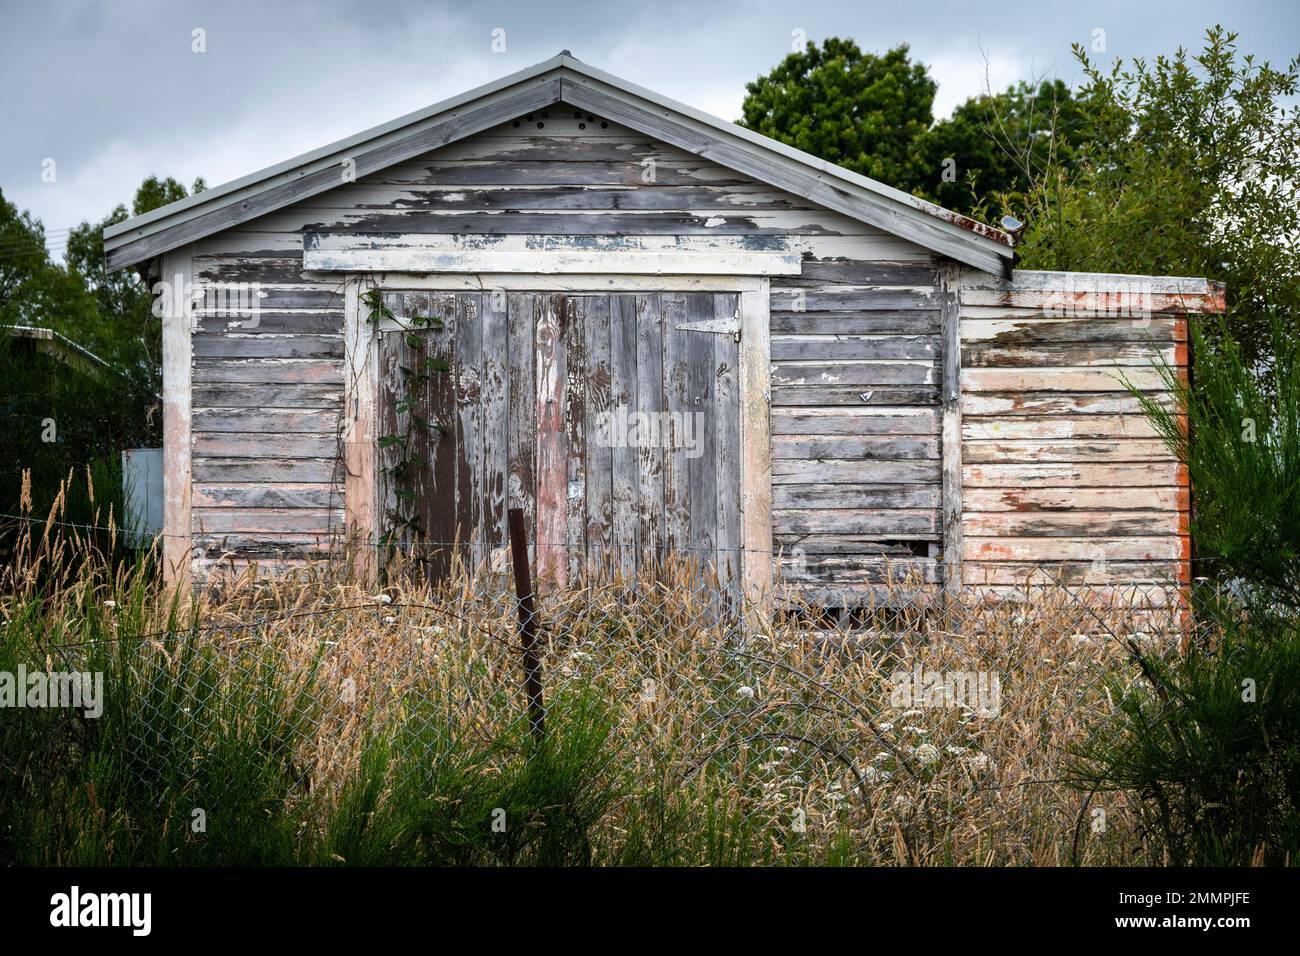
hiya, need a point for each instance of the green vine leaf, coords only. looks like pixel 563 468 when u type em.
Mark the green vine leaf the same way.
pixel 374 300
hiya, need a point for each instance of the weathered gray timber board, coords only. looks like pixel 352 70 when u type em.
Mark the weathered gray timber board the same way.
pixel 719 219
pixel 1042 391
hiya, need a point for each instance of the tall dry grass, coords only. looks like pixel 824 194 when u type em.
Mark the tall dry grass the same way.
pixel 389 724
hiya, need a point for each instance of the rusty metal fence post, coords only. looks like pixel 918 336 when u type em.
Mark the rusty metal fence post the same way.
pixel 527 624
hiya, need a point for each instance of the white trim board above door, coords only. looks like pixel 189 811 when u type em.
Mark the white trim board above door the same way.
pixel 550 263
pixel 520 282
pixel 441 253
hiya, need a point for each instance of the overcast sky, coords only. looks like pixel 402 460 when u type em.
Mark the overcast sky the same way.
pixel 113 91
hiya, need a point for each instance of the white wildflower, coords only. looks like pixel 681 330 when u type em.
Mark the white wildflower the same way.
pixel 927 753
pixel 745 691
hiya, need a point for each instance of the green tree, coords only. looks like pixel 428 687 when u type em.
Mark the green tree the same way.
pixel 998 144
pixel 1238 432
pixel 873 114
pixel 858 110
pixel 1188 165
pixel 94 415
pixel 34 290
pixel 122 299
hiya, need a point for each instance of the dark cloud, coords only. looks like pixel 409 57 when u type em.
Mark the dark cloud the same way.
pixel 113 92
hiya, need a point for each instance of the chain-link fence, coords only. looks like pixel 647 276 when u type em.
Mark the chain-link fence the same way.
pixel 918 725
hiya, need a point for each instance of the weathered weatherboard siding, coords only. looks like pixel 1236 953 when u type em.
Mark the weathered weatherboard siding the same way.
pixel 1063 476
pixel 266 409
pixel 856 423
pixel 855 341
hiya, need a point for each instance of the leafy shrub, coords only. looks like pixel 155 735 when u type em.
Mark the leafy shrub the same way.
pixel 1210 739
pixel 1211 743
pixel 1240 441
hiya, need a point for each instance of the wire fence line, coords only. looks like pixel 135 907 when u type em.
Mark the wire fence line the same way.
pixel 909 720
pixel 339 538
pixel 927 722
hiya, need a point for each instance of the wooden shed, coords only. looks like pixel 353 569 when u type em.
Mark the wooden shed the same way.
pixel 658 333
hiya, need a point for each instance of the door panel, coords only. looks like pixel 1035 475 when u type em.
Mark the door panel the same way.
pixel 612 420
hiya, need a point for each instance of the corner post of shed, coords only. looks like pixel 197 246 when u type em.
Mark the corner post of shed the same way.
pixel 755 439
pixel 950 311
pixel 177 348
pixel 360 386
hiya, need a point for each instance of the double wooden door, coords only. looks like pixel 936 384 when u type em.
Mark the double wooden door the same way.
pixel 612 420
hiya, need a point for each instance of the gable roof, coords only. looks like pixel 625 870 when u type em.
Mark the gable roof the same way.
pixel 561 79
